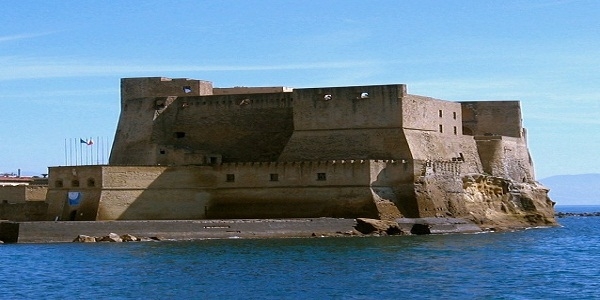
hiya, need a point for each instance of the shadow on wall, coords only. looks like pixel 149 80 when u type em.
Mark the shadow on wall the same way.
pixel 396 186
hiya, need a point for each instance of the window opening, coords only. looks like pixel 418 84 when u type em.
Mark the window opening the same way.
pixel 179 134
pixel 75 183
pixel 441 128
pixel 321 176
pixel 91 182
pixel 274 177
pixel 58 183
pixel 454 115
pixel 440 113
pixel 187 89
pixel 230 178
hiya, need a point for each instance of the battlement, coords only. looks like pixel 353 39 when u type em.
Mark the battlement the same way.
pixel 320 163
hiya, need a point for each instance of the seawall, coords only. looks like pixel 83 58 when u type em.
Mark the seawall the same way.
pixel 65 231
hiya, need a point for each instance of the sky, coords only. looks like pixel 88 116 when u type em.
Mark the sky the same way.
pixel 61 62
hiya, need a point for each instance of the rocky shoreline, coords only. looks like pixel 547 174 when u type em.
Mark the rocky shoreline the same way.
pixel 140 231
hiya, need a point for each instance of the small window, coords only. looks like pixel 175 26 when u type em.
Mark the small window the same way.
pixel 4 201
pixel 321 176
pixel 187 89
pixel 91 182
pixel 58 183
pixel 179 134
pixel 213 160
pixel 230 178
pixel 455 130
pixel 75 183
pixel 454 115
pixel 162 151
pixel 440 113
pixel 274 177
pixel 441 128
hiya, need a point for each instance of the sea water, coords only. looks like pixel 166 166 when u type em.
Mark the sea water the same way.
pixel 543 263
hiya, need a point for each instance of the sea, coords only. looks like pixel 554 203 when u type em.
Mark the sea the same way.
pixel 539 263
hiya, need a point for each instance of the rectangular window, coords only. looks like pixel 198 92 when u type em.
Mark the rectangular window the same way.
pixel 454 115
pixel 230 178
pixel 441 128
pixel 440 113
pixel 455 130
pixel 321 176
pixel 274 177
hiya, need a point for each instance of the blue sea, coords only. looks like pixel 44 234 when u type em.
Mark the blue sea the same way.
pixel 542 263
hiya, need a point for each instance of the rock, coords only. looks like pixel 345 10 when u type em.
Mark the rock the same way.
pixel 129 238
pixel 373 226
pixel 111 237
pixel 84 239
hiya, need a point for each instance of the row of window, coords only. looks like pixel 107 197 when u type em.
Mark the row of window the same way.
pixel 228 178
pixel 442 129
pixel 274 177
pixel 75 183
pixel 441 114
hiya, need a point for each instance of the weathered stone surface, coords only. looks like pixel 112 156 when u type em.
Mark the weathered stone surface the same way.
pixel 84 239
pixel 500 203
pixel 369 226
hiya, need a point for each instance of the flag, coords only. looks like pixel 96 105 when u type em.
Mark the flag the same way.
pixel 88 142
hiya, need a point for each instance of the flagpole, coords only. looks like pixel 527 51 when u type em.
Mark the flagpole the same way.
pixel 80 153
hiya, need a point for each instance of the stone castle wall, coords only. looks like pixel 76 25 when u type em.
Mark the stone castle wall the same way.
pixel 235 190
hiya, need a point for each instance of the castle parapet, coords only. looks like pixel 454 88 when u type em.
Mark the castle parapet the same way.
pixel 143 87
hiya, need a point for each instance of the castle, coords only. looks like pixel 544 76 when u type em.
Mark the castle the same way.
pixel 186 150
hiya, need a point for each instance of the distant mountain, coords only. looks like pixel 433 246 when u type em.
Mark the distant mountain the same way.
pixel 583 189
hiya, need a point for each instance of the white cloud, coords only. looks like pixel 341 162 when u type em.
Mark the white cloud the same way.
pixel 16 37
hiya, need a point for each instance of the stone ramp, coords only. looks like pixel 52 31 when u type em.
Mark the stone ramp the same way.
pixel 67 231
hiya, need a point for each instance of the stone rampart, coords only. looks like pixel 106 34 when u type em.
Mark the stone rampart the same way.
pixel 342 188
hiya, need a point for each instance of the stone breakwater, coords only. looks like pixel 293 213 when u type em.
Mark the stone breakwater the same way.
pixel 573 214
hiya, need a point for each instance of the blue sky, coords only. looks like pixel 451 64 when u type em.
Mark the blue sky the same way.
pixel 61 62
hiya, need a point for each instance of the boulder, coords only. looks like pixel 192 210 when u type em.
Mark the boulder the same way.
pixel 111 237
pixel 129 238
pixel 373 226
pixel 84 239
